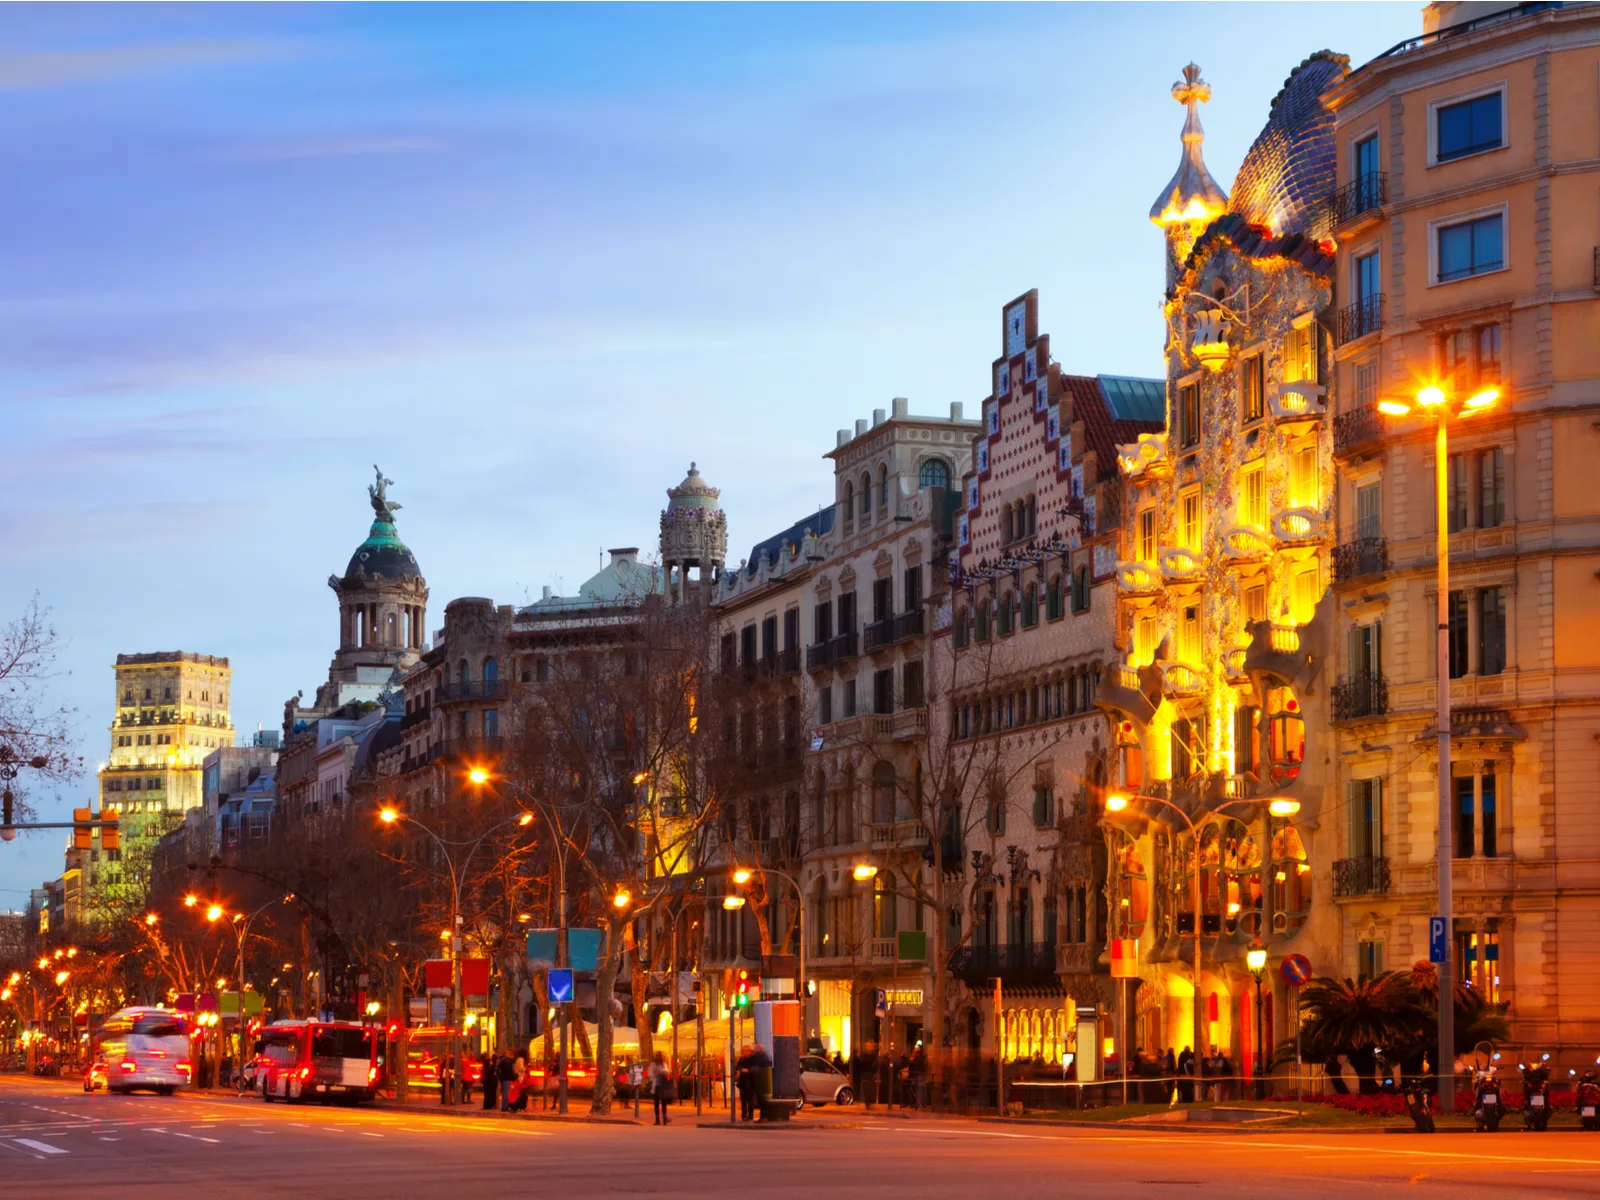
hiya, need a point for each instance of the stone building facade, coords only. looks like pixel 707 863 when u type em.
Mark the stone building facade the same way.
pixel 1466 214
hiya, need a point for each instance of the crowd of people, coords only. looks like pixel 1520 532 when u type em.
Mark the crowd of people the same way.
pixel 1194 1078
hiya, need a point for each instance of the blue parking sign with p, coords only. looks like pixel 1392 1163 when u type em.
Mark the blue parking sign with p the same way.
pixel 1436 939
pixel 561 985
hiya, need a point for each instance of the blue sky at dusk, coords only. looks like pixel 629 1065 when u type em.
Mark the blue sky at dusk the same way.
pixel 532 261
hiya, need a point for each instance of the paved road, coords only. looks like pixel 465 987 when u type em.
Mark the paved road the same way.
pixel 55 1141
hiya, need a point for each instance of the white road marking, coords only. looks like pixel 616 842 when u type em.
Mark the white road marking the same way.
pixel 42 1147
pixel 364 1133
pixel 195 1137
pixel 106 1139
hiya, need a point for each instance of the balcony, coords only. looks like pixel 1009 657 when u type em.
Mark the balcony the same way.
pixel 1137 579
pixel 891 630
pixel 1356 428
pixel 835 649
pixel 1362 557
pixel 482 689
pixel 1361 318
pixel 417 716
pixel 1293 526
pixel 1298 403
pixel 1360 696
pixel 788 661
pixel 1360 196
pixel 1246 542
pixel 1178 564
pixel 1149 453
pixel 1361 877
pixel 1025 963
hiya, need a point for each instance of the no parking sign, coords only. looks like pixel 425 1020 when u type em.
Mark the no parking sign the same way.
pixel 1295 969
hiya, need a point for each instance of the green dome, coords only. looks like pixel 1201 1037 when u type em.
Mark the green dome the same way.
pixel 383 554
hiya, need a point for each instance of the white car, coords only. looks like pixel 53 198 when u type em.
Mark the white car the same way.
pixel 823 1083
pixel 145 1048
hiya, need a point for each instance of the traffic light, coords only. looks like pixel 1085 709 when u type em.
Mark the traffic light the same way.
pixel 82 834
pixel 110 835
pixel 741 993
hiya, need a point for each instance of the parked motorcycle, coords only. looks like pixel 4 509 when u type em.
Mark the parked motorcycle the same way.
pixel 1487 1108
pixel 1536 1094
pixel 1588 1099
pixel 1419 1104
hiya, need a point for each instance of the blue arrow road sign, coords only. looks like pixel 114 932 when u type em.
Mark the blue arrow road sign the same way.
pixel 1436 944
pixel 561 985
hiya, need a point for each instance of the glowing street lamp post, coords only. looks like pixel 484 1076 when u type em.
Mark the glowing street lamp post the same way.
pixel 1432 401
pixel 1277 808
pixel 240 924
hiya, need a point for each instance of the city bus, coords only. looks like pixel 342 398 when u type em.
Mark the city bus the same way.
pixel 318 1060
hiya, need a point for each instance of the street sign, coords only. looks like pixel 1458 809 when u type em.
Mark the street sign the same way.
pixel 1295 969
pixel 1436 942
pixel 583 949
pixel 561 985
pixel 881 1005
pixel 542 948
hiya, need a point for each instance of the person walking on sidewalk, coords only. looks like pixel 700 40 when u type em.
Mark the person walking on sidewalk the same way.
pixel 505 1076
pixel 489 1079
pixel 663 1091
pixel 744 1079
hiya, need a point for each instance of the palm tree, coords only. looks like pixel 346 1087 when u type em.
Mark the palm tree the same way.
pixel 1477 1020
pixel 1359 1018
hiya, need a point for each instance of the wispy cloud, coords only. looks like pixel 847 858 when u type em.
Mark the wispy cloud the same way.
pixel 356 146
pixel 34 70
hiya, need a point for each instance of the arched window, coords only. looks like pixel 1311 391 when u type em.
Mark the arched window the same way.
pixel 866 498
pixel 883 789
pixel 1033 516
pixel 849 501
pixel 935 473
pixel 491 670
pixel 1052 598
pixel 1291 881
pixel 885 906
pixel 883 486
pixel 463 673
pixel 1005 524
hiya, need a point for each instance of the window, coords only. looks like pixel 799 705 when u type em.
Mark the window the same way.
pixel 981 621
pixel 1307 591
pixel 1147 535
pixel 1300 358
pixel 1080 588
pixel 747 645
pixel 883 489
pixel 913 589
pixel 1003 626
pixel 1253 494
pixel 958 628
pixel 1369 523
pixel 1466 818
pixel 1366 384
pixel 1488 339
pixel 1189 519
pixel 1369 960
pixel 882 599
pixel 1456 607
pixel 1491 466
pixel 911 688
pixel 1471 248
pixel 935 473
pixel 769 638
pixel 822 621
pixel 825 704
pixel 1030 606
pixel 1365 170
pixel 1052 598
pixel 1044 805
pixel 1189 635
pixel 1367 278
pixel 849 698
pixel 1366 818
pixel 1491 631
pixel 1144 638
pixel 883 691
pixel 1189 415
pixel 1255 603
pixel 491 722
pixel 847 613
pixel 1469 127
pixel 864 494
pixel 1456 489
pixel 995 815
pixel 1246 744
pixel 1252 390
pixel 848 501
pixel 1306 487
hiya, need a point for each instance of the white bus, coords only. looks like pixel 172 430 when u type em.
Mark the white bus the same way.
pixel 145 1048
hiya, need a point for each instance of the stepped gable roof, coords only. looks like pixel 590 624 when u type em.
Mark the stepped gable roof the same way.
pixel 1258 242
pixel 1288 174
pixel 1114 409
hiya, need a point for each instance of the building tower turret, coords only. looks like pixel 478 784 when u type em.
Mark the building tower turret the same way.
pixel 383 602
pixel 1192 200
pixel 694 533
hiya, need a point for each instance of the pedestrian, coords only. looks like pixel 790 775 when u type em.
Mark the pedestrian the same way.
pixel 447 1072
pixel 918 1073
pixel 1224 1083
pixel 663 1091
pixel 489 1079
pixel 761 1075
pixel 1186 1066
pixel 839 1063
pixel 505 1073
pixel 866 1063
pixel 744 1081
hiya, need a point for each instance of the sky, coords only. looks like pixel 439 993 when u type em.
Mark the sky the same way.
pixel 533 261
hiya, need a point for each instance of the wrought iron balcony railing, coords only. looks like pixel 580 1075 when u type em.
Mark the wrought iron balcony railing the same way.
pixel 1364 556
pixel 835 649
pixel 481 689
pixel 1367 876
pixel 1360 696
pixel 1361 318
pixel 1356 428
pixel 1362 194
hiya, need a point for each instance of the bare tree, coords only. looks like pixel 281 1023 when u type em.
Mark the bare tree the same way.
pixel 34 734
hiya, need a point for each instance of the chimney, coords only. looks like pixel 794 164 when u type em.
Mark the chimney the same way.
pixel 955 410
pixel 861 426
pixel 877 417
pixel 842 437
pixel 546 595
pixel 902 406
pixel 627 554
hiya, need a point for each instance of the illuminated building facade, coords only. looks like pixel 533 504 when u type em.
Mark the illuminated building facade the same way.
pixel 172 714
pixel 1019 651
pixel 1219 700
pixel 1466 214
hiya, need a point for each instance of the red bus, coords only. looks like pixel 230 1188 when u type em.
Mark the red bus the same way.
pixel 318 1060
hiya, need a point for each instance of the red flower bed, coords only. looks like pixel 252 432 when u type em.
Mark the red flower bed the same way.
pixel 1393 1104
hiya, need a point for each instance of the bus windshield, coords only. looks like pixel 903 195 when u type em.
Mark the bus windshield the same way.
pixel 341 1043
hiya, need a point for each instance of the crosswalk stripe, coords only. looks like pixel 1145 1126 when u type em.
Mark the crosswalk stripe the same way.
pixel 42 1147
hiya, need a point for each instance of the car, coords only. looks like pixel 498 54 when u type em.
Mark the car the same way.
pixel 94 1077
pixel 823 1083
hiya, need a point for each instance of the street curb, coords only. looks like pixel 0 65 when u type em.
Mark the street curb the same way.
pixel 463 1113
pixel 775 1125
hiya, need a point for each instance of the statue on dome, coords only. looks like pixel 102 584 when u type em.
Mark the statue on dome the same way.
pixel 378 493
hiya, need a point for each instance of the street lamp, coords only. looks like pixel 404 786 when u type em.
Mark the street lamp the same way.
pixel 1433 402
pixel 864 871
pixel 1256 959
pixel 240 925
